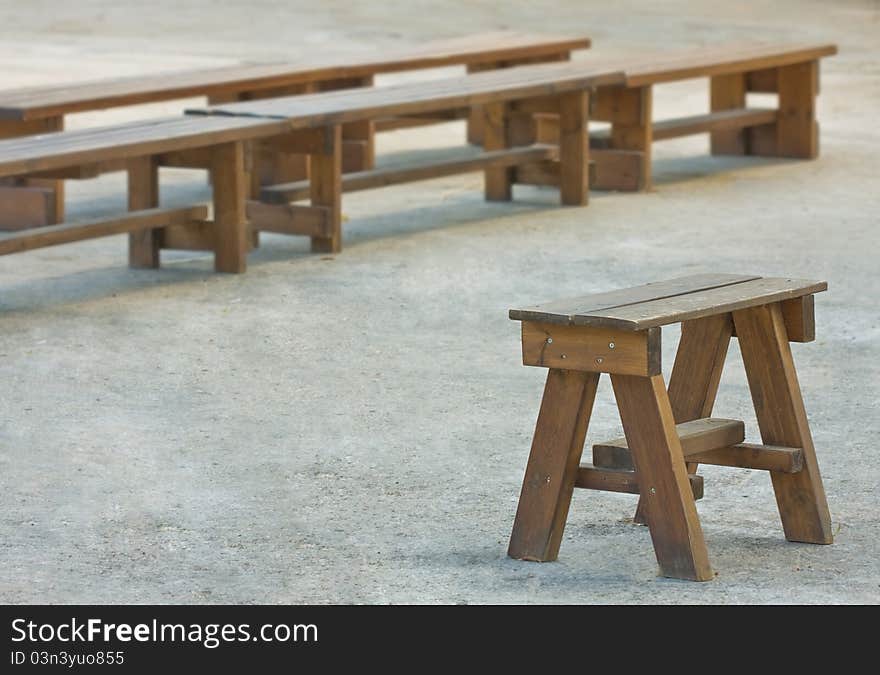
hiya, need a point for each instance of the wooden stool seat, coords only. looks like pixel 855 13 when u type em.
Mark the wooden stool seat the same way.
pixel 667 433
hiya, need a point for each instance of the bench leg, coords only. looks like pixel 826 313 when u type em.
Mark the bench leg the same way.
pixel 230 188
pixel 496 136
pixel 663 481
pixel 553 463
pixel 726 92
pixel 782 419
pixel 43 203
pixel 476 115
pixel 574 148
pixel 696 374
pixel 359 140
pixel 143 193
pixel 326 189
pixel 632 131
pixel 797 133
pixel 475 118
pixel 272 167
pixel 358 146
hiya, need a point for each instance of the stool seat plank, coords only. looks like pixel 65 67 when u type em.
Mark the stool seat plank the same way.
pixel 568 312
pixel 642 315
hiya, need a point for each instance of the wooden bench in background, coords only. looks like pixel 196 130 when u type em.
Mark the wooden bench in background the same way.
pixel 668 431
pixel 563 86
pixel 37 110
pixel 787 130
pixel 309 125
pixel 221 145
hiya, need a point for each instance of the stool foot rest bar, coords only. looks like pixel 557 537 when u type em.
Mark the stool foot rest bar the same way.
pixel 668 432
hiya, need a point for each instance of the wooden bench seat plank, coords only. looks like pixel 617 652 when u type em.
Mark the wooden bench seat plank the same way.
pixel 675 307
pixel 565 312
pixel 32 154
pixel 38 102
pixel 349 105
pixel 647 69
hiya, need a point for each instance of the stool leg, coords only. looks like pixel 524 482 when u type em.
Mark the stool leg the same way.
pixel 783 421
pixel 553 463
pixel 663 482
pixel 693 383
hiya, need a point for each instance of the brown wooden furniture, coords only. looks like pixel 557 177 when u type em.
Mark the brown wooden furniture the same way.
pixel 504 98
pixel 309 125
pixel 37 110
pixel 221 145
pixel 788 130
pixel 669 431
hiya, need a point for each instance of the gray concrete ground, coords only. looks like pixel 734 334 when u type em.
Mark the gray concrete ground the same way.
pixel 354 428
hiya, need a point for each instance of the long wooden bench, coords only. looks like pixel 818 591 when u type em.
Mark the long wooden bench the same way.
pixel 787 130
pixel 225 142
pixel 564 86
pixel 37 110
pixel 219 144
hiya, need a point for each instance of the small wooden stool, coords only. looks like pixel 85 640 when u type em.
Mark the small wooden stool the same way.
pixel 669 433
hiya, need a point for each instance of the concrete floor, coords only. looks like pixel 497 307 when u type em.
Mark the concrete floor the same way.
pixel 354 428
